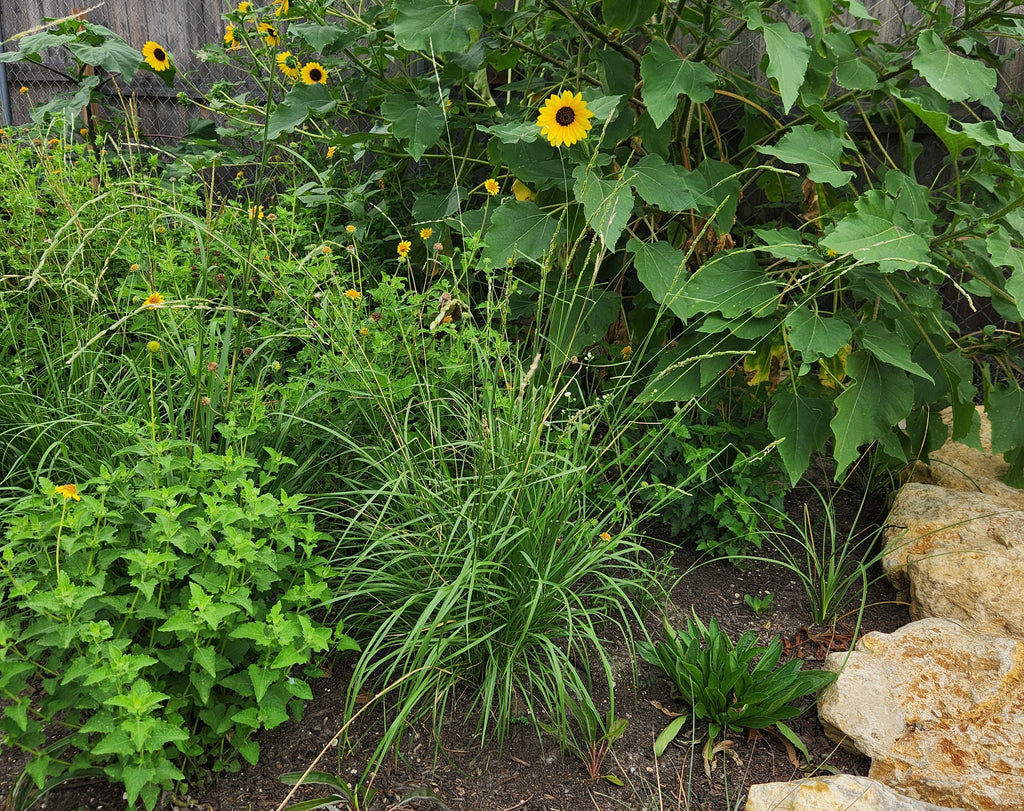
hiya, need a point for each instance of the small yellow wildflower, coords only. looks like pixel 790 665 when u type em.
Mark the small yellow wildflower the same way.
pixel 426 233
pixel 491 185
pixel 364 331
pixel 350 229
pixel 330 151
pixel 353 294
pixel 255 212
pixel 153 301
pixel 68 491
pixel 605 536
pixel 53 142
pixel 404 247
pixel 239 174
pixel 83 131
pixel 134 267
pixel 564 119
pixel 153 346
pixel 627 351
pixel 23 90
pixel 326 250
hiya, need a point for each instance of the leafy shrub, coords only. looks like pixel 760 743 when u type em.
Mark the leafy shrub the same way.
pixel 733 687
pixel 160 615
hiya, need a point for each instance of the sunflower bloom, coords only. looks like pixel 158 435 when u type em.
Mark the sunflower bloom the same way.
pixel 352 294
pixel 269 34
pixel 288 64
pixel 314 73
pixel 244 8
pixel 68 491
pixel 156 57
pixel 229 37
pixel 404 247
pixel 426 233
pixel 282 8
pixel 564 119
pixel 491 186
pixel 153 301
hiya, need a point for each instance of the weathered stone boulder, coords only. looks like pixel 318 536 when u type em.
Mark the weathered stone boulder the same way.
pixel 950 553
pixel 940 711
pixel 841 792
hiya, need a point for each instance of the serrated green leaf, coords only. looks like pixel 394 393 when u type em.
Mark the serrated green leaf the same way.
pixel 419 125
pixel 815 336
pixel 519 230
pixel 880 240
pixel 621 15
pixel 888 347
pixel 955 77
pixel 205 656
pixel 938 122
pixel 114 56
pixel 299 103
pixel 821 151
pixel 789 53
pixel 667 186
pixel 436 25
pixel 261 679
pixel 877 400
pixel 607 204
pixel 1004 254
pixel 666 76
pixel 324 38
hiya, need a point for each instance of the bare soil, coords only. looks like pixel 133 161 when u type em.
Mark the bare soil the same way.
pixel 530 773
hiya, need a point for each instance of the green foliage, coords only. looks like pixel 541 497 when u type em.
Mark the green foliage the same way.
pixel 733 687
pixel 162 617
pixel 759 605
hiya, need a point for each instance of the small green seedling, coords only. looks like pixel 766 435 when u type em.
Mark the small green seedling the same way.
pixel 759 605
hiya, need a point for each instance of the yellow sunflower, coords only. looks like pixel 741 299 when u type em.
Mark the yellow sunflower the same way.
pixel 314 73
pixel 269 34
pixel 282 7
pixel 156 57
pixel 564 119
pixel 229 37
pixel 244 8
pixel 288 64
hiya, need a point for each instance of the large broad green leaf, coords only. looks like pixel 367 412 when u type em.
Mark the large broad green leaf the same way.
pixel 578 319
pixel 301 101
pixel 852 71
pixel 731 283
pixel 666 185
pixel 722 195
pixel 814 336
pixel 666 75
pixel 788 56
pixel 889 348
pixel 436 25
pixel 817 13
pixel 513 132
pixel 518 230
pixel 419 125
pixel 938 122
pixel 819 149
pixel 436 207
pixel 987 133
pixel 621 15
pixel 324 38
pixel 1005 410
pixel 955 77
pixel 802 425
pixel 877 399
pixel 114 56
pixel 607 204
pixel 878 233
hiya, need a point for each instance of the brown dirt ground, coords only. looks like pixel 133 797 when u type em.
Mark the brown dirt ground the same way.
pixel 530 774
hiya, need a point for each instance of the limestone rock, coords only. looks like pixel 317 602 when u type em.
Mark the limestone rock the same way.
pixel 950 554
pixel 842 792
pixel 938 708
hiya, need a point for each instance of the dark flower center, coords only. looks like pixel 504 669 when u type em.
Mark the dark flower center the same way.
pixel 315 75
pixel 159 54
pixel 565 116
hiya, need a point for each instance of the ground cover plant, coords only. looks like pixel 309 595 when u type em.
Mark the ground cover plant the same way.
pixel 398 354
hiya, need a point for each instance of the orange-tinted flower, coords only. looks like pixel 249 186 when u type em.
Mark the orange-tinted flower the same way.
pixel 68 491
pixel 404 247
pixel 153 301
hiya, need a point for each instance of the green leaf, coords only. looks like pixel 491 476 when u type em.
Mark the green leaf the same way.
pixel 802 425
pixel 1004 254
pixel 300 102
pixel 733 284
pixel 518 230
pixel 938 122
pixel 1004 405
pixel 666 76
pixel 874 233
pixel 817 13
pixel 669 734
pixel 436 25
pixel 878 399
pixel 852 72
pixel 788 56
pixel 607 204
pixel 114 56
pixel 667 186
pixel 579 318
pixel 819 149
pixel 205 656
pixel 262 679
pixel 889 347
pixel 419 125
pixel 955 77
pixel 324 38
pixel 814 336
pixel 621 15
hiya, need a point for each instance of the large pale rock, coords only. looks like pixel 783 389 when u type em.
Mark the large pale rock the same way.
pixel 950 553
pixel 841 792
pixel 940 711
